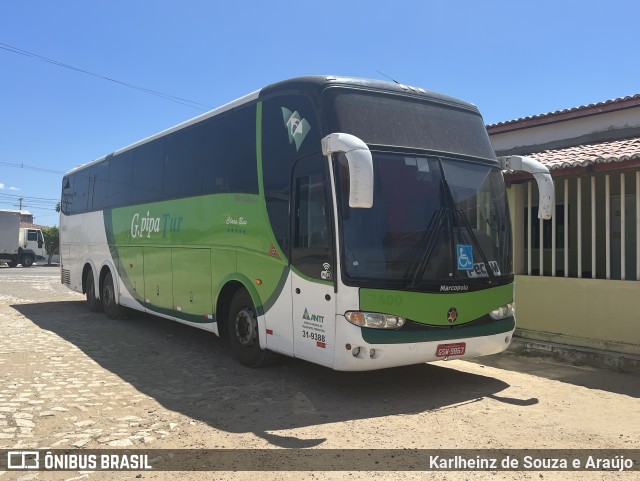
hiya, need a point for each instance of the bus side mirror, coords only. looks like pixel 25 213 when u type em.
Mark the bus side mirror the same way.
pixel 360 166
pixel 543 179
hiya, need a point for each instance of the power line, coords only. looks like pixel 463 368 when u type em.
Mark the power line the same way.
pixel 32 208
pixel 188 103
pixel 28 167
pixel 27 197
pixel 24 202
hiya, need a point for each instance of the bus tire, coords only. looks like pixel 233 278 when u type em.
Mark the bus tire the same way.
pixel 109 302
pixel 94 303
pixel 27 261
pixel 242 332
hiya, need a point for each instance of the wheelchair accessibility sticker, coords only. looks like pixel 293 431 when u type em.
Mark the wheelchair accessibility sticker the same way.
pixel 464 255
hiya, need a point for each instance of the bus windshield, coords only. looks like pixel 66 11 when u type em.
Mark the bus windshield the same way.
pixel 434 220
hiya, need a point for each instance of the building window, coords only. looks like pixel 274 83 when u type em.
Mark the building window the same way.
pixel 547 229
pixel 594 231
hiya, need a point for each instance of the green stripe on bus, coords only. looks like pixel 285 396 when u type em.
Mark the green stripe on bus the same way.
pixel 432 308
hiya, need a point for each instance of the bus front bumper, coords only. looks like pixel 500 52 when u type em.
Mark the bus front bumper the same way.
pixel 359 349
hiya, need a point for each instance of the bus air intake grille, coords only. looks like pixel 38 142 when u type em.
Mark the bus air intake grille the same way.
pixel 66 276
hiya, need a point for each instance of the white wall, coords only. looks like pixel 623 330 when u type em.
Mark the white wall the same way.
pixel 568 129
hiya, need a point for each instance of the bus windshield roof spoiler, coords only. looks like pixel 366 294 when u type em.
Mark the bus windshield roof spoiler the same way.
pixel 542 176
pixel 360 166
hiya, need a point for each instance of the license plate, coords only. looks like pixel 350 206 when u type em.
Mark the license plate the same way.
pixel 445 350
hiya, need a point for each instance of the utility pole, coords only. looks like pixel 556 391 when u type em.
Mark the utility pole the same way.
pixel 20 200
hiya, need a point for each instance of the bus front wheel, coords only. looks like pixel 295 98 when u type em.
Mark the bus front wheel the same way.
pixel 242 331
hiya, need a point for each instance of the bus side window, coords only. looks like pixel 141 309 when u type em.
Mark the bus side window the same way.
pixel 75 192
pixel 147 172
pixel 311 236
pixel 229 152
pixel 183 163
pixel 98 185
pixel 281 149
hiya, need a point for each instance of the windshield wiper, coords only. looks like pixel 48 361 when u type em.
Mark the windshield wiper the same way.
pixel 459 214
pixel 447 204
pixel 432 233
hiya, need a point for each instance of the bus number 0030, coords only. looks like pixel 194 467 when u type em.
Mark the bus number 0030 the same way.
pixel 313 335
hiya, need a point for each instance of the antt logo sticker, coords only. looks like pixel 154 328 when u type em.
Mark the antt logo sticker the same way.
pixel 311 317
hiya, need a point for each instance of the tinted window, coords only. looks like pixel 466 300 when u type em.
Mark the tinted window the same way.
pixel 311 249
pixel 98 184
pixel 75 192
pixel 183 161
pixel 399 121
pixel 290 131
pixel 217 155
pixel 148 160
pixel 230 152
pixel 32 235
pixel 120 171
pixel 66 198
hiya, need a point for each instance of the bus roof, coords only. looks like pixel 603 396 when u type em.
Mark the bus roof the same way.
pixel 317 83
pixel 314 84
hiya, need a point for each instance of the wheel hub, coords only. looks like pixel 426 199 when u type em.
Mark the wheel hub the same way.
pixel 246 328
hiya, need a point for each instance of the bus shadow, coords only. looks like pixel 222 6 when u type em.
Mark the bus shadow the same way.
pixel 190 371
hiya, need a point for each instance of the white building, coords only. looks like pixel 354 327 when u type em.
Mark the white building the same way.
pixel 577 274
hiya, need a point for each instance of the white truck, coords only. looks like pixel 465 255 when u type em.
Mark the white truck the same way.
pixel 19 245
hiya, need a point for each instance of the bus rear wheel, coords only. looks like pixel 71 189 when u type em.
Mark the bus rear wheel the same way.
pixel 95 304
pixel 242 332
pixel 112 309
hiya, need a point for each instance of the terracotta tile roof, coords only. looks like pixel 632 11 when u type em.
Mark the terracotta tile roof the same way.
pixel 30 225
pixel 589 154
pixel 589 109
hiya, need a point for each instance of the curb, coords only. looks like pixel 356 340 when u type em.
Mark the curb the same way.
pixel 577 355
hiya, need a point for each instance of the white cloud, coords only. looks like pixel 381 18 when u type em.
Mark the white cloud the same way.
pixel 13 188
pixel 4 186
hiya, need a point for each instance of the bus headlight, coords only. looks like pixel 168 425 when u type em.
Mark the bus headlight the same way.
pixel 503 312
pixel 374 320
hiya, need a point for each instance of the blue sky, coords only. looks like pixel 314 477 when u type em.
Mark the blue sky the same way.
pixel 511 59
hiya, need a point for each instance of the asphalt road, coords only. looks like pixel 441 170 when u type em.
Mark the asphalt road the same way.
pixel 71 379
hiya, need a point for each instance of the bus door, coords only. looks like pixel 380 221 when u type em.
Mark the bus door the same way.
pixel 312 286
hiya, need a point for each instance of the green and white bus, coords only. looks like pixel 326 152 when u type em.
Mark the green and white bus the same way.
pixel 353 223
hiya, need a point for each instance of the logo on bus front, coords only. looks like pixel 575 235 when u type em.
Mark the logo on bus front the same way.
pixel 297 127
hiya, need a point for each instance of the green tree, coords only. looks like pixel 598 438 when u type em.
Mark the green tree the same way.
pixel 52 241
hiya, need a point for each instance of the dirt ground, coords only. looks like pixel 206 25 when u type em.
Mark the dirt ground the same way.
pixel 72 379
